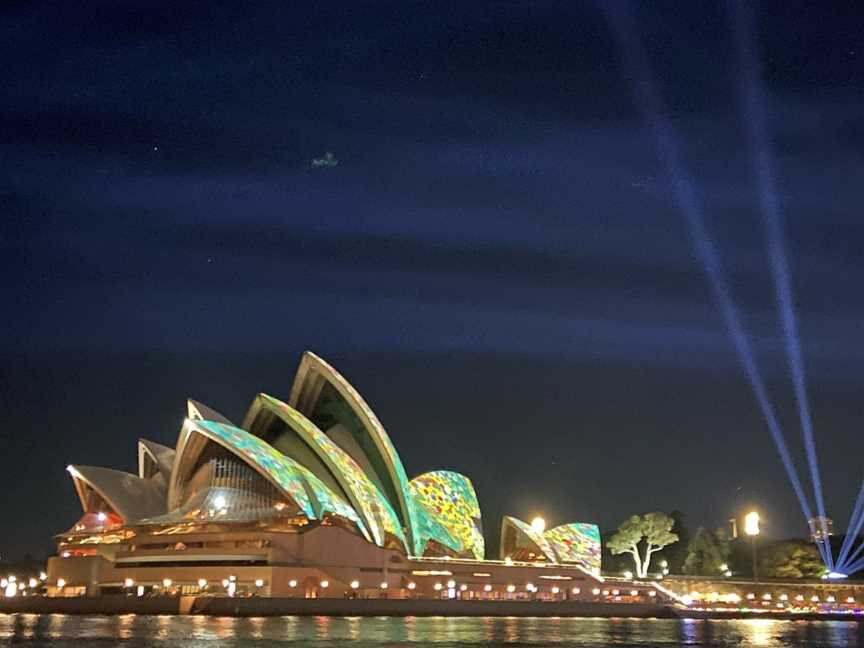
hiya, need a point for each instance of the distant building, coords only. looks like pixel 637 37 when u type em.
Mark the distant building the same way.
pixel 305 498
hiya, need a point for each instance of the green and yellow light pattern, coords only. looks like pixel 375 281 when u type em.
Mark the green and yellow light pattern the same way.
pixel 449 499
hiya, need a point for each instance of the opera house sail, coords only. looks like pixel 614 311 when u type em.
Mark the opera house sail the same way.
pixel 306 497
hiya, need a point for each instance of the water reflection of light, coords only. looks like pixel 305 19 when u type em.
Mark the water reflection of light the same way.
pixel 226 627
pixel 25 624
pixel 353 627
pixel 552 628
pixel 195 630
pixel 289 632
pixel 437 631
pixel 842 633
pixel 488 630
pixel 125 624
pixel 410 629
pixel 322 627
pixel 256 627
pixel 163 625
pixel 758 632
pixel 55 630
pixel 511 629
pixel 690 631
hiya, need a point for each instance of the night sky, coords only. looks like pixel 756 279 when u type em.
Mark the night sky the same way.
pixel 496 262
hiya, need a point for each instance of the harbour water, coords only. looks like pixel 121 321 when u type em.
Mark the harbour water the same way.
pixel 132 631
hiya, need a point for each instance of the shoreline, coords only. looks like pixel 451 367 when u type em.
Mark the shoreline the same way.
pixel 262 607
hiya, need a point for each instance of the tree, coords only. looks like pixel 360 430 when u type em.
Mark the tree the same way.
pixel 707 553
pixel 641 537
pixel 610 563
pixel 676 554
pixel 792 559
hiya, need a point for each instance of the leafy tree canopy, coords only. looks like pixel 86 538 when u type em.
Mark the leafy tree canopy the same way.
pixel 676 553
pixel 792 559
pixel 707 553
pixel 641 537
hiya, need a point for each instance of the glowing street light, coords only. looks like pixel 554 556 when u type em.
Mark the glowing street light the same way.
pixel 751 528
pixel 751 523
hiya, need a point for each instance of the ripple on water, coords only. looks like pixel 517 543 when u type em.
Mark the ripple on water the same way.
pixel 133 631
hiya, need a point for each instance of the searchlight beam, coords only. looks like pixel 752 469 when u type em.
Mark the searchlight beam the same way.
pixel 755 119
pixel 622 23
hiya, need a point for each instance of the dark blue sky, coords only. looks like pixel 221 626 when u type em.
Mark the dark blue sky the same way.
pixel 496 262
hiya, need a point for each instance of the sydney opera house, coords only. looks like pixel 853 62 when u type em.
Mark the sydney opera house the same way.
pixel 305 498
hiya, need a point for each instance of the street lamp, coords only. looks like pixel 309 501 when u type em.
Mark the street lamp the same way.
pixel 538 524
pixel 751 528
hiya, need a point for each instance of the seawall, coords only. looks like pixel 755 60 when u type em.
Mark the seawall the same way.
pixel 424 607
pixel 90 605
pixel 223 606
pixel 256 607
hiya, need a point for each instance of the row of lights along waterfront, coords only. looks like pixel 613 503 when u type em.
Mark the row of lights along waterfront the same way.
pixel 230 585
